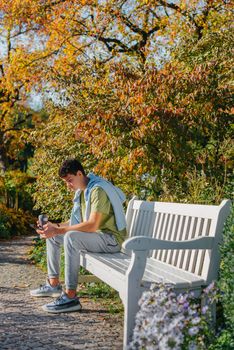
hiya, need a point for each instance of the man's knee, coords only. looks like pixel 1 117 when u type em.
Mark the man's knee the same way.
pixel 76 240
pixel 70 237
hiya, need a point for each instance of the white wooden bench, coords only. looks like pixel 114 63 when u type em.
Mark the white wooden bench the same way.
pixel 167 242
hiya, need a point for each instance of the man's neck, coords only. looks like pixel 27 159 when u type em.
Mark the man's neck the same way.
pixel 86 181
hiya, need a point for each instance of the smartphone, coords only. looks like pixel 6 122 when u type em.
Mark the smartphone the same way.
pixel 36 227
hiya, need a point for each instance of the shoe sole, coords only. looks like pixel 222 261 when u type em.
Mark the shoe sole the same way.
pixel 70 309
pixel 53 295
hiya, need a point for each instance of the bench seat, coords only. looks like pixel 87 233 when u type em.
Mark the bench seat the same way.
pixel 112 268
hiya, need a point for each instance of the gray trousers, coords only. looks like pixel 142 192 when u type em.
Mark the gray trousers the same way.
pixel 74 242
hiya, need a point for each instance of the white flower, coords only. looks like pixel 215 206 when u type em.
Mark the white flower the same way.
pixel 196 320
pixel 163 319
pixel 193 330
pixel 204 309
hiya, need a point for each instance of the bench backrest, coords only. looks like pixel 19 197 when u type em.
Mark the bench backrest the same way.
pixel 178 222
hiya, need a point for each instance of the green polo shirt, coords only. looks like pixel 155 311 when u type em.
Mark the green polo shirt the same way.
pixel 100 203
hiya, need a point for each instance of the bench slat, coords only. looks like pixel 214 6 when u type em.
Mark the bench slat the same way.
pixel 155 271
pixel 171 274
pixel 117 261
pixel 207 211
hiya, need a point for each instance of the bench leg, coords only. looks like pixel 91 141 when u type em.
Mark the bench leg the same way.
pixel 130 309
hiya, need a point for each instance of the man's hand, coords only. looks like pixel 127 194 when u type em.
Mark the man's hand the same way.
pixel 91 225
pixel 49 230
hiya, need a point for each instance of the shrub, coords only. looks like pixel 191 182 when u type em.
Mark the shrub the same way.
pixel 14 222
pixel 38 253
pixel 5 225
pixel 226 285
pixel 167 321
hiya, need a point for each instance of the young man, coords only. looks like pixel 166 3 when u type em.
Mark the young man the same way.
pixel 97 224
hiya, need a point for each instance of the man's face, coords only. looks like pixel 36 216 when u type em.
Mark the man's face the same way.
pixel 74 182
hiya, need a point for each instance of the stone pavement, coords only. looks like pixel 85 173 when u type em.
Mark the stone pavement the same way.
pixel 25 326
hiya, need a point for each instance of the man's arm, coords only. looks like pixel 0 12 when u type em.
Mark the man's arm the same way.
pixel 91 225
pixel 63 224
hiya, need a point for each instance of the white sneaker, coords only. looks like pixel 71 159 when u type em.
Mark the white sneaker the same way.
pixel 46 290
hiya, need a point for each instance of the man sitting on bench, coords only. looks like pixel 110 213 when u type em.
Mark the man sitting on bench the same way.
pixel 97 224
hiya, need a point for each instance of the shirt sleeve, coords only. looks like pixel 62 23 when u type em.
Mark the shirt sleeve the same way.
pixel 100 202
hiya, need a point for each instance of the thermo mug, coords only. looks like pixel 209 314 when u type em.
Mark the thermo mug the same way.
pixel 43 219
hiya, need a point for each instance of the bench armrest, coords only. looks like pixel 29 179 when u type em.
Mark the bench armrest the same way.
pixel 139 243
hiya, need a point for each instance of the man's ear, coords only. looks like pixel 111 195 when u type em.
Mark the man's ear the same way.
pixel 79 173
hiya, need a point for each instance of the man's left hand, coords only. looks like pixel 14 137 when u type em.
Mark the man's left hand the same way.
pixel 49 230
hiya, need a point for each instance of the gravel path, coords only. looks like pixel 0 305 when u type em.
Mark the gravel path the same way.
pixel 25 326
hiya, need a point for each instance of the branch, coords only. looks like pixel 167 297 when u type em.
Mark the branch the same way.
pixel 42 57
pixel 10 129
pixel 2 70
pixel 80 22
pixel 176 8
pixel 15 126
pixel 205 13
pixel 157 27
pixel 115 42
pixel 23 32
pixel 8 44
pixel 171 6
pixel 185 13
pixel 154 13
pixel 7 99
pixel 124 48
pixel 122 3
pixel 129 24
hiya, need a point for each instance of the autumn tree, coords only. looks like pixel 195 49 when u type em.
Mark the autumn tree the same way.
pixel 114 68
pixel 150 130
pixel 49 38
pixel 42 40
pixel 16 117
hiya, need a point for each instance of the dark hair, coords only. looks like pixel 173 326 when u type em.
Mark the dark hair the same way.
pixel 70 166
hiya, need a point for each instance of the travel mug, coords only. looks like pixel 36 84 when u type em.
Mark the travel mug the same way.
pixel 43 219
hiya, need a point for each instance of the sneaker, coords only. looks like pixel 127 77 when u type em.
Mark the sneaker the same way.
pixel 46 290
pixel 63 304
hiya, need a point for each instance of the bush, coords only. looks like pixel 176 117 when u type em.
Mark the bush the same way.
pixel 5 226
pixel 14 222
pixel 226 285
pixel 38 253
pixel 167 321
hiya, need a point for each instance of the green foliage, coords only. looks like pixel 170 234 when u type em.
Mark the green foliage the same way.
pixel 225 341
pixel 109 297
pixel 38 253
pixel 98 290
pixel 14 189
pixel 14 222
pixel 226 281
pixel 5 231
pixel 54 142
pixel 16 204
pixel 160 134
